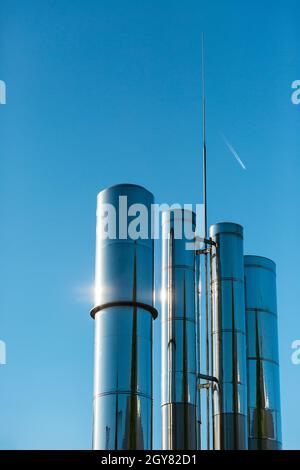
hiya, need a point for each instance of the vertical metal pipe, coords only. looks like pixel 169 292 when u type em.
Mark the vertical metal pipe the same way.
pixel 204 158
pixel 198 335
pixel 229 338
pixel 213 386
pixel 264 415
pixel 123 313
pixel 179 313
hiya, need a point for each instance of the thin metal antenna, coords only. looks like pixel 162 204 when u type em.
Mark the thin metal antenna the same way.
pixel 204 137
pixel 204 155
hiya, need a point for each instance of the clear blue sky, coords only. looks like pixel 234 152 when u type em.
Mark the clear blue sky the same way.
pixel 101 92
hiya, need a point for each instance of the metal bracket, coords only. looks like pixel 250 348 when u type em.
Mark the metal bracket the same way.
pixel 206 241
pixel 201 386
pixel 209 378
pixel 203 252
pixel 125 303
pixel 212 382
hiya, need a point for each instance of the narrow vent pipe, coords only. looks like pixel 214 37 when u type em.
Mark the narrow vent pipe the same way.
pixel 229 338
pixel 179 315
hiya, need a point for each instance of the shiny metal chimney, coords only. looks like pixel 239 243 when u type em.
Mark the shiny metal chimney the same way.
pixel 179 313
pixel 262 351
pixel 123 313
pixel 229 338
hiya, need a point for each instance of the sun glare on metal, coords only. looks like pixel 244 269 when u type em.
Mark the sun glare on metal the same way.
pixel 84 293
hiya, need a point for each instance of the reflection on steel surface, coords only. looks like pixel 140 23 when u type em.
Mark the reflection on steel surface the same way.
pixel 263 366
pixel 179 310
pixel 229 338
pixel 124 299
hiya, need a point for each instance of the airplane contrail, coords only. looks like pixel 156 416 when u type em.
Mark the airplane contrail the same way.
pixel 234 152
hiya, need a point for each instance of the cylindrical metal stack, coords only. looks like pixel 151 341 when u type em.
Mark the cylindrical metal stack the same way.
pixel 229 338
pixel 179 312
pixel 198 348
pixel 124 300
pixel 262 351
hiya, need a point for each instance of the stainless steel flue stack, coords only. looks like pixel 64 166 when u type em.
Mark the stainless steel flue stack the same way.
pixel 123 313
pixel 179 317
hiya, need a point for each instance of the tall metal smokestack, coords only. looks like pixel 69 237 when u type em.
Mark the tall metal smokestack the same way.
pixel 229 338
pixel 123 313
pixel 263 363
pixel 179 314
